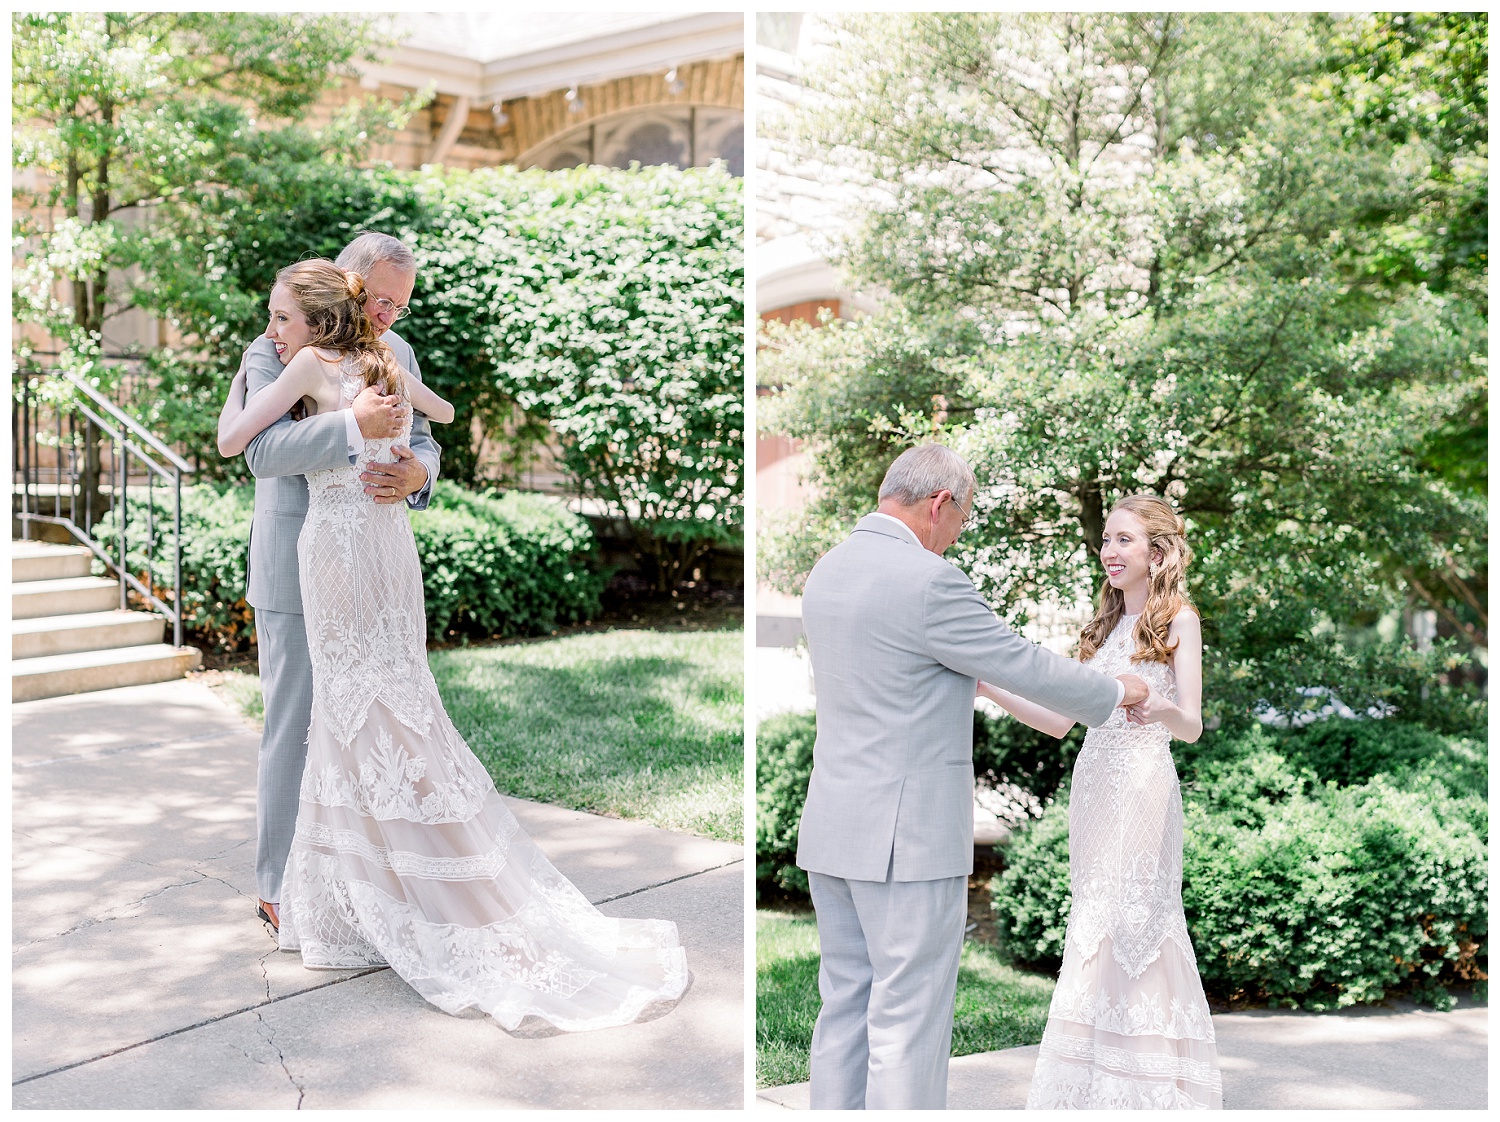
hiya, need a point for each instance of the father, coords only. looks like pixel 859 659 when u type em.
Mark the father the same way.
pixel 280 457
pixel 898 639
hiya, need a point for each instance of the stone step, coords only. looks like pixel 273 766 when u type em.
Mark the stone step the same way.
pixel 86 671
pixel 87 631
pixel 66 597
pixel 33 561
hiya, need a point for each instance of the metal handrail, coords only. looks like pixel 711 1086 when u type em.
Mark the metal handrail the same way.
pixel 128 439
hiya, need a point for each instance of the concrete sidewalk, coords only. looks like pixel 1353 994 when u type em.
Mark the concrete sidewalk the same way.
pixel 141 978
pixel 1398 1058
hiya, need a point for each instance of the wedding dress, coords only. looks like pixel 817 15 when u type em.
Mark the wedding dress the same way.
pixel 1129 1026
pixel 404 854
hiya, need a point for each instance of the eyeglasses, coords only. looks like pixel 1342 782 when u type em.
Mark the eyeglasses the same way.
pixel 968 522
pixel 400 311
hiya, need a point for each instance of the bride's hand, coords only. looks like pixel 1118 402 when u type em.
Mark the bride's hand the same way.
pixel 1150 711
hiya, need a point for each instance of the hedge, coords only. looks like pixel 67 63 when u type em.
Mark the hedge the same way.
pixel 783 768
pixel 1322 867
pixel 492 567
pixel 1300 891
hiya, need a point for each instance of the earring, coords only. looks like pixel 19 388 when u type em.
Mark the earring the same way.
pixel 1153 569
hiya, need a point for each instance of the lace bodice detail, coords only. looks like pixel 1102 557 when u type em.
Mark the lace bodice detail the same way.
pixel 342 484
pixel 362 600
pixel 1113 658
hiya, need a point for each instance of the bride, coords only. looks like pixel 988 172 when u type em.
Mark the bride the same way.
pixel 1129 1026
pixel 404 854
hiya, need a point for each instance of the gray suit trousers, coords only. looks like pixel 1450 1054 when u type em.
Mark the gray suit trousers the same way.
pixel 888 979
pixel 286 686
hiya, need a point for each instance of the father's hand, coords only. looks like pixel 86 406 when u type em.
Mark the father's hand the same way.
pixel 391 483
pixel 379 415
pixel 1136 690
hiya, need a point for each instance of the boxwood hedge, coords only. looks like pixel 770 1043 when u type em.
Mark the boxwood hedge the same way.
pixel 492 566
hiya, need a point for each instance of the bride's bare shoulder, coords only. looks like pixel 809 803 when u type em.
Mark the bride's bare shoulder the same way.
pixel 1185 622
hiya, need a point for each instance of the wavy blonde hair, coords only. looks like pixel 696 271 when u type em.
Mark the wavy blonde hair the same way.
pixel 1166 596
pixel 332 299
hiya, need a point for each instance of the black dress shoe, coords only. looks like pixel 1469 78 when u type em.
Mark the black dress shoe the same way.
pixel 263 911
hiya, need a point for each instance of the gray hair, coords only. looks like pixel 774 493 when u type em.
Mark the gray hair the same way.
pixel 923 471
pixel 370 249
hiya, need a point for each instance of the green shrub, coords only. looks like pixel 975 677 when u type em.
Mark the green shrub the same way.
pixel 1418 687
pixel 215 531
pixel 519 564
pixel 1296 892
pixel 783 766
pixel 1031 897
pixel 1007 751
pixel 1353 751
pixel 514 565
pixel 606 303
pixel 1335 896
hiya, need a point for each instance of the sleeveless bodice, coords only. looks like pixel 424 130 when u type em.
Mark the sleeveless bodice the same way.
pixel 362 596
pixel 342 485
pixel 1113 658
pixel 1125 824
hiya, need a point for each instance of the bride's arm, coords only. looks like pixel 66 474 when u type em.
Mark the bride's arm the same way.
pixel 428 403
pixel 1185 719
pixel 240 423
pixel 1028 712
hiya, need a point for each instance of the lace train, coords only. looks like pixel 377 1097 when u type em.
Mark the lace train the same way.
pixel 1114 1041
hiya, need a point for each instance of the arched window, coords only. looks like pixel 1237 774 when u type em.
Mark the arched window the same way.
pixel 683 136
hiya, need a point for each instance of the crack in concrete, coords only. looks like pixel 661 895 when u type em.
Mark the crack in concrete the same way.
pixel 270 1037
pixel 669 880
pixel 366 972
pixel 52 844
pixel 220 880
pixel 223 853
pixel 265 975
pixel 95 921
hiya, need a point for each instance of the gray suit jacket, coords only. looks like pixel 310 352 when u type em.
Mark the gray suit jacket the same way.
pixel 282 455
pixel 899 638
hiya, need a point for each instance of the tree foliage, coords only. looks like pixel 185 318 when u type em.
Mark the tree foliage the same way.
pixel 122 114
pixel 1131 252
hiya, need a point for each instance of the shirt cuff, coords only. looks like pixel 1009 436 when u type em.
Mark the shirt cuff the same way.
pixel 1120 694
pixel 352 434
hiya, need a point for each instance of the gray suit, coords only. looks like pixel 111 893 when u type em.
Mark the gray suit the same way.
pixel 898 638
pixel 279 458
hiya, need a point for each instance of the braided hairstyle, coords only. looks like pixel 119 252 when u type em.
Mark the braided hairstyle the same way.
pixel 1167 594
pixel 333 301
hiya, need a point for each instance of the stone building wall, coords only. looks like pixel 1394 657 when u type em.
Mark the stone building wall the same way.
pixel 534 122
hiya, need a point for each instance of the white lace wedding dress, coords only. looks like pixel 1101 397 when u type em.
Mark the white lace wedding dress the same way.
pixel 1129 1026
pixel 404 853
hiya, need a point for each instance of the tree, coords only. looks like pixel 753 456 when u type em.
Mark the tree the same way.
pixel 1124 254
pixel 1418 83
pixel 127 122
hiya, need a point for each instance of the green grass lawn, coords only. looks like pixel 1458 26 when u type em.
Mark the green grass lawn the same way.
pixel 635 724
pixel 998 1005
pixel 638 724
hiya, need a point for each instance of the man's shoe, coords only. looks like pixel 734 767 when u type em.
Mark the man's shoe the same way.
pixel 267 912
